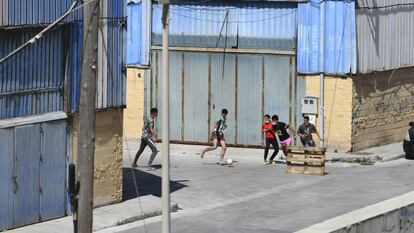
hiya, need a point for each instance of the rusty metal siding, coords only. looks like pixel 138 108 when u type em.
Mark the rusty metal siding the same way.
pixel 6 174
pixel 385 33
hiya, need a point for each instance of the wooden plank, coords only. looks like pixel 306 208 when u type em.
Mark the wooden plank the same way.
pixel 315 170
pixel 295 169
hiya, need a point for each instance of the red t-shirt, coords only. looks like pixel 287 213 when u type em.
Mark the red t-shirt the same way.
pixel 269 134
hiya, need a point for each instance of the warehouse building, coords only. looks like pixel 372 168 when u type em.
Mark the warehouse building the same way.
pixel 257 57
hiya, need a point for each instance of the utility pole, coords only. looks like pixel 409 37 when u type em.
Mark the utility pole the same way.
pixel 166 224
pixel 86 132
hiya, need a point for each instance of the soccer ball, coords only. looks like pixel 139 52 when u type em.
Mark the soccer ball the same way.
pixel 229 162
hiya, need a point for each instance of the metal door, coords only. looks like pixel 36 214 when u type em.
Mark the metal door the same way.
pixel 52 170
pixel 26 206
pixel 196 97
pixel 249 99
pixel 6 174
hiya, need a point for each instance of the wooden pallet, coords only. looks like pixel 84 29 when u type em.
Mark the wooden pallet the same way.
pixel 306 160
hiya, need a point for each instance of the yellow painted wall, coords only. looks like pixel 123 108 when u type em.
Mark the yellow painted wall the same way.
pixel 383 107
pixel 108 155
pixel 338 110
pixel 134 112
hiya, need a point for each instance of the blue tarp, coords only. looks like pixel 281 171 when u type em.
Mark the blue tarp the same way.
pixel 338 56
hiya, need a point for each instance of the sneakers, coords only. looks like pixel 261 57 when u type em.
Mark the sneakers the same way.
pixel 266 162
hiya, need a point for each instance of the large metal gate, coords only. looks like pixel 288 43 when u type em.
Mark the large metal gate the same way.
pixel 32 173
pixel 248 85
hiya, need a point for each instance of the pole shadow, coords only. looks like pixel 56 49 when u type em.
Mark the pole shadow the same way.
pixel 147 184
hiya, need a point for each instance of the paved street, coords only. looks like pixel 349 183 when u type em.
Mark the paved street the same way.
pixel 251 197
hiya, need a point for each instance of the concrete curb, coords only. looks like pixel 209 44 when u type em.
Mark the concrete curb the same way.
pixel 394 213
pixel 105 216
pixel 174 208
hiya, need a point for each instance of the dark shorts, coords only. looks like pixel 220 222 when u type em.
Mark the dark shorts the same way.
pixel 218 136
pixel 308 142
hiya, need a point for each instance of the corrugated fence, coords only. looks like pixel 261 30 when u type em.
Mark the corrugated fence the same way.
pixel 385 34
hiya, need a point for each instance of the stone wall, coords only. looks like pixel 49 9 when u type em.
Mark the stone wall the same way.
pixel 134 112
pixel 383 104
pixel 108 155
pixel 338 110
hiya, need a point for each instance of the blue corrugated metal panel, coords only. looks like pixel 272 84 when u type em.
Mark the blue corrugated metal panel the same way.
pixel 52 170
pixel 32 81
pixel 139 32
pixel 338 55
pixel 6 178
pixel 26 199
pixel 35 12
pixel 134 34
pixel 112 86
pixel 248 25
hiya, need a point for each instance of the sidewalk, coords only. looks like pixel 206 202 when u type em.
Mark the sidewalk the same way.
pixel 104 217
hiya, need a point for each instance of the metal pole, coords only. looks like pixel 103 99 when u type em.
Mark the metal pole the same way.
pixel 86 138
pixel 322 109
pixel 322 75
pixel 166 225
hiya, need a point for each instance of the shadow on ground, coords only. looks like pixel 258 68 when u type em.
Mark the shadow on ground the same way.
pixel 146 183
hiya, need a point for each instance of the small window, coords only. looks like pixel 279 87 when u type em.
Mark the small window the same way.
pixel 306 101
pixel 311 101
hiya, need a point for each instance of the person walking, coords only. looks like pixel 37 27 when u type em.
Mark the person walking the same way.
pixel 269 137
pixel 217 136
pixel 305 131
pixel 148 138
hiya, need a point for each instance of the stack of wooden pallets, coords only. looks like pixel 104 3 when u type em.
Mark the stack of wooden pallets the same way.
pixel 306 160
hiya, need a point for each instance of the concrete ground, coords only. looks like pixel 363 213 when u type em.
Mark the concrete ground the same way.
pixel 251 197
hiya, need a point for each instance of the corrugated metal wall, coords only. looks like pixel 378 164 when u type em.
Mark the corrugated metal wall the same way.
pixel 263 25
pixel 250 85
pixel 37 12
pixel 385 34
pixel 111 83
pixel 338 56
pixel 32 82
pixel 139 32
pixel 34 12
pixel 33 175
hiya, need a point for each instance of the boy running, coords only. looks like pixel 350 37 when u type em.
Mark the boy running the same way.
pixel 280 129
pixel 305 131
pixel 269 135
pixel 218 136
pixel 148 137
